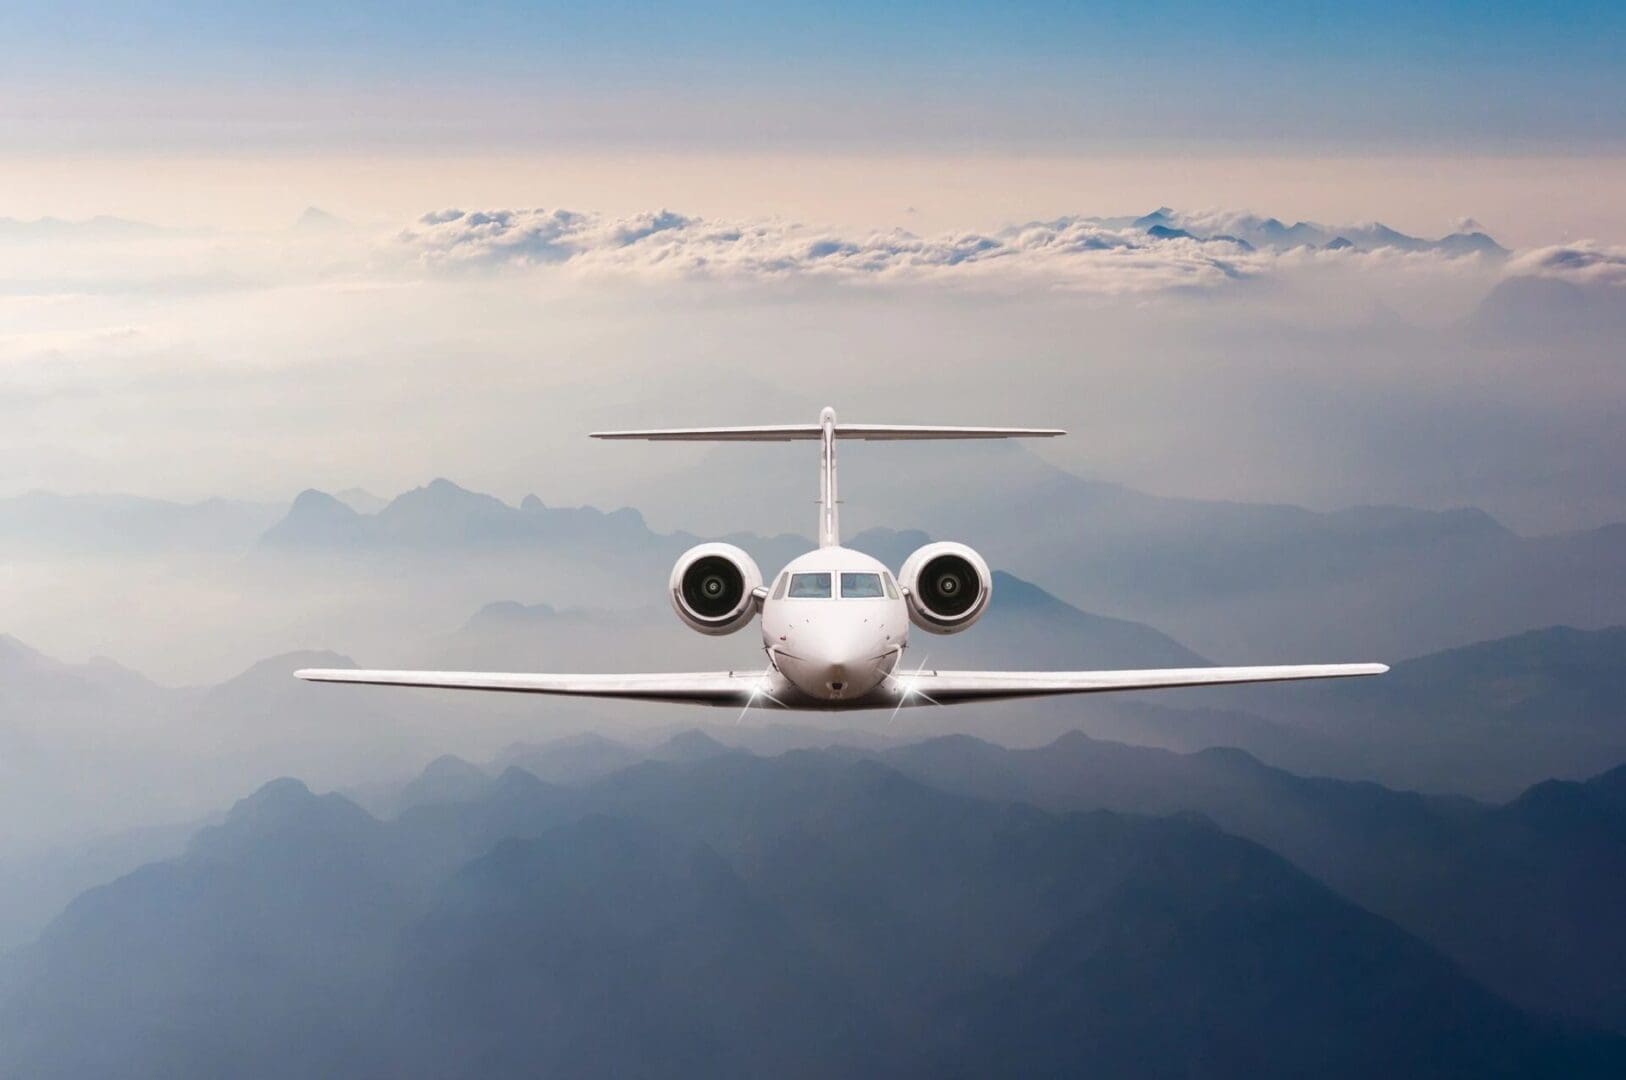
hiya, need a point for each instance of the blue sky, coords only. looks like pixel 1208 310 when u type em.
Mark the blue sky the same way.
pixel 1323 77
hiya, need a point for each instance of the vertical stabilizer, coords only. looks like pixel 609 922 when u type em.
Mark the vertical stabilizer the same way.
pixel 829 515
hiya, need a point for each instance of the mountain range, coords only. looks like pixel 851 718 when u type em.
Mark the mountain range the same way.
pixel 1236 582
pixel 812 914
pixel 1252 231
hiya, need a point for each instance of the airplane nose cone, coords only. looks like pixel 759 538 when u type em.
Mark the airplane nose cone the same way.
pixel 836 663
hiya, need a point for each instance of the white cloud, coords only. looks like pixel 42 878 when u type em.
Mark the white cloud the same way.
pixel 1176 251
pixel 1585 263
pixel 1070 252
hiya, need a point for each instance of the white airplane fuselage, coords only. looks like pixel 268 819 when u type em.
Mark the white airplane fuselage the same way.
pixel 837 649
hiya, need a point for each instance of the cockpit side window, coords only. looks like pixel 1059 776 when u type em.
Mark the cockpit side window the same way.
pixel 891 589
pixel 809 587
pixel 861 587
pixel 779 586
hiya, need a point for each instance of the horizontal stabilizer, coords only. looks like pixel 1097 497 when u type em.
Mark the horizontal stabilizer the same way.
pixel 812 432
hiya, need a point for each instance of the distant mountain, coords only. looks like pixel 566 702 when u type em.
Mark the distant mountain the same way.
pixel 1488 718
pixel 1534 309
pixel 575 759
pixel 447 779
pixel 29 678
pixel 251 948
pixel 1027 626
pixel 361 500
pixel 1236 582
pixel 315 220
pixel 810 915
pixel 1469 243
pixel 442 519
pixel 508 635
pixel 58 524
pixel 442 515
pixel 318 519
pixel 1526 896
pixel 35 887
pixel 100 227
pixel 74 740
pixel 1272 233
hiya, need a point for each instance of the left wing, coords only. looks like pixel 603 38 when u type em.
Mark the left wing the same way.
pixel 698 687
pixel 951 687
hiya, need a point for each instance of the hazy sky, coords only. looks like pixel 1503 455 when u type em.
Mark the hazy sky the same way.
pixel 845 187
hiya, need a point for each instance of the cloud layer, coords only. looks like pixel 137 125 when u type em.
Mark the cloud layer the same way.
pixel 1161 251
pixel 1583 263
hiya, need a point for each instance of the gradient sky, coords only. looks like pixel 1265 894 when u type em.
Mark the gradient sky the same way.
pixel 1346 77
pixel 134 361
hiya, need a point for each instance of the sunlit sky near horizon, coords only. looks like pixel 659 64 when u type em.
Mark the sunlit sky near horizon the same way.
pixel 915 115
pixel 899 137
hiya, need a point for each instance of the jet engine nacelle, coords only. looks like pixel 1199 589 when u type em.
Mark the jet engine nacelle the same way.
pixel 948 585
pixel 712 586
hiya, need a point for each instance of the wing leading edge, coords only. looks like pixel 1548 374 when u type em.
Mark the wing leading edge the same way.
pixel 919 688
pixel 699 688
pixel 815 432
pixel 952 687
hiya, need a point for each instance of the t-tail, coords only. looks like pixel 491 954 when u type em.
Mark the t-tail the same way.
pixel 826 432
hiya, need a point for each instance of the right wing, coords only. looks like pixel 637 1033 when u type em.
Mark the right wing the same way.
pixel 698 687
pixel 951 687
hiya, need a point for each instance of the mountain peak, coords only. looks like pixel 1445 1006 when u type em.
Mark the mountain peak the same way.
pixel 447 779
pixel 315 518
pixel 1164 232
pixel 281 808
pixel 315 219
pixel 361 500
pixel 14 654
pixel 274 796
pixel 691 745
pixel 276 673
pixel 507 611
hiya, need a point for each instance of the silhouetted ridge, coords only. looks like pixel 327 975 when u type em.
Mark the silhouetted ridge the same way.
pixel 317 518
pixel 814 914
pixel 690 746
pixel 446 779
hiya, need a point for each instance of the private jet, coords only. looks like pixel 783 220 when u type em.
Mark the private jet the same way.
pixel 835 622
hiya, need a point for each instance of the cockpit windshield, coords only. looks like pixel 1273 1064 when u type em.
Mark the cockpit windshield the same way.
pixel 809 587
pixel 861 586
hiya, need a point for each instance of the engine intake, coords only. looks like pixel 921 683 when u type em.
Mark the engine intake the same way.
pixel 712 587
pixel 949 586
